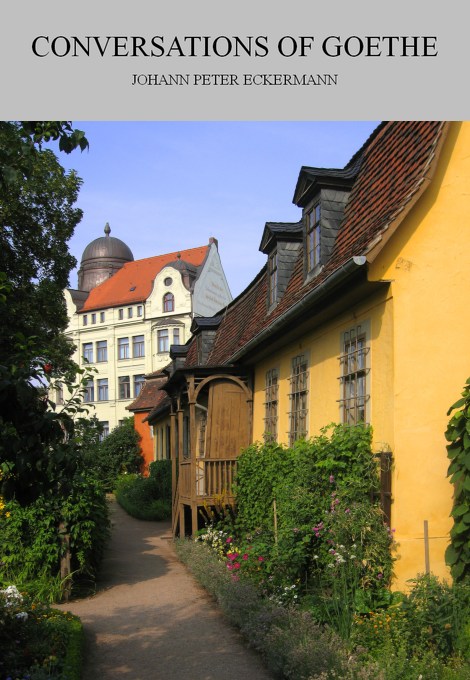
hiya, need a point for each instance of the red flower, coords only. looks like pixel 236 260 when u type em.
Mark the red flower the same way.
pixel 260 559
pixel 47 368
pixel 232 556
pixel 245 556
pixel 236 565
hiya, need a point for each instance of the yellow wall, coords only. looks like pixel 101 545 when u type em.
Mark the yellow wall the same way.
pixel 419 357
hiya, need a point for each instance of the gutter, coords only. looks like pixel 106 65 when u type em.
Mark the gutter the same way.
pixel 338 277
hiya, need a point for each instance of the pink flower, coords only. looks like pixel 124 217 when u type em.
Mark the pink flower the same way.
pixel 236 565
pixel 229 539
pixel 379 576
pixel 230 566
pixel 232 556
pixel 260 559
pixel 245 556
pixel 347 510
pixel 332 479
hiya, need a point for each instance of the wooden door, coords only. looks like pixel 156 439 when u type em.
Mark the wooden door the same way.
pixel 228 420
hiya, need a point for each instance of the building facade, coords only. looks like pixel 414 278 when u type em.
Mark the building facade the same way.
pixel 127 313
pixel 360 315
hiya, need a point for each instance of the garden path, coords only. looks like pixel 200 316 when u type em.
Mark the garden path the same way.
pixel 150 620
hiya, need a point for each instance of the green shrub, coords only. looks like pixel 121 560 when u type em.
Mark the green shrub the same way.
pixel 309 510
pixel 32 537
pixel 119 453
pixel 38 642
pixel 147 498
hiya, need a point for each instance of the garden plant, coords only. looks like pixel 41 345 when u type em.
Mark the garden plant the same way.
pixel 147 498
pixel 304 569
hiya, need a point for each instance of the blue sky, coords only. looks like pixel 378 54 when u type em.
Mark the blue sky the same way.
pixel 166 186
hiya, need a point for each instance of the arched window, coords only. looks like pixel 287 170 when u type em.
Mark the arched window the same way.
pixel 168 302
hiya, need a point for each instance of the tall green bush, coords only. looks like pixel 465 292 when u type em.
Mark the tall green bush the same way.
pixel 310 512
pixel 32 536
pixel 119 453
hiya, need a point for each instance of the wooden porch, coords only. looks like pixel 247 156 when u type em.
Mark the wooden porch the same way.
pixel 210 425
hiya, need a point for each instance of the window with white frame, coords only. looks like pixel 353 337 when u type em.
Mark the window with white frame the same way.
pixel 89 393
pixel 93 318
pixel 102 389
pixel 85 319
pixel 354 378
pixel 168 302
pixel 271 392
pixel 138 384
pixel 140 310
pixel 102 350
pixel 130 312
pixel 102 317
pixel 163 340
pixel 87 352
pixel 123 348
pixel 104 429
pixel 298 398
pixel 138 346
pixel 120 314
pixel 176 336
pixel 124 385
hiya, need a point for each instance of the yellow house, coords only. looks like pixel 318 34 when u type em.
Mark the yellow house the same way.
pixel 360 314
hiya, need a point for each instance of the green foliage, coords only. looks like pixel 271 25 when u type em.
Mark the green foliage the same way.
pixel 297 505
pixel 32 537
pixel 37 220
pixel 22 140
pixel 38 642
pixel 37 446
pixel 458 451
pixel 421 630
pixel 119 453
pixel 147 498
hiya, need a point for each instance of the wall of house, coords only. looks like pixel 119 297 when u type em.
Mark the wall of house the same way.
pixel 419 360
pixel 322 346
pixel 211 290
pixel 161 438
pixel 147 443
pixel 427 261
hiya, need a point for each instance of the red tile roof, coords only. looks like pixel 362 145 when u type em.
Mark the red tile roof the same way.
pixel 133 283
pixel 149 394
pixel 394 164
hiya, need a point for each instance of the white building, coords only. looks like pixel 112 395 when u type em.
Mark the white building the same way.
pixel 126 314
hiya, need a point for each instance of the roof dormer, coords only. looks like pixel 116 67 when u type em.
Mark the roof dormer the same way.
pixel 322 193
pixel 281 242
pixel 205 329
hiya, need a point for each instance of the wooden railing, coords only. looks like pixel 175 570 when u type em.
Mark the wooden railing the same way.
pixel 213 477
pixel 218 476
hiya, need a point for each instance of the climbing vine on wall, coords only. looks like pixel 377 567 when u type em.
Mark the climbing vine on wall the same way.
pixel 458 434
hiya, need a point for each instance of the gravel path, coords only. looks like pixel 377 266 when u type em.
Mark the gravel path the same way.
pixel 150 620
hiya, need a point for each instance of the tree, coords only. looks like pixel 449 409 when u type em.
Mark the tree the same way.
pixel 37 219
pixel 26 138
pixel 117 454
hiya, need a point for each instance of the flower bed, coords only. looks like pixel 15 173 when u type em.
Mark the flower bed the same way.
pixel 37 642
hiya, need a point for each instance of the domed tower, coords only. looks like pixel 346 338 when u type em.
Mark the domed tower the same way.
pixel 101 259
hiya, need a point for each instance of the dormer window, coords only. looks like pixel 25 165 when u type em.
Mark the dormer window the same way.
pixel 272 269
pixel 323 193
